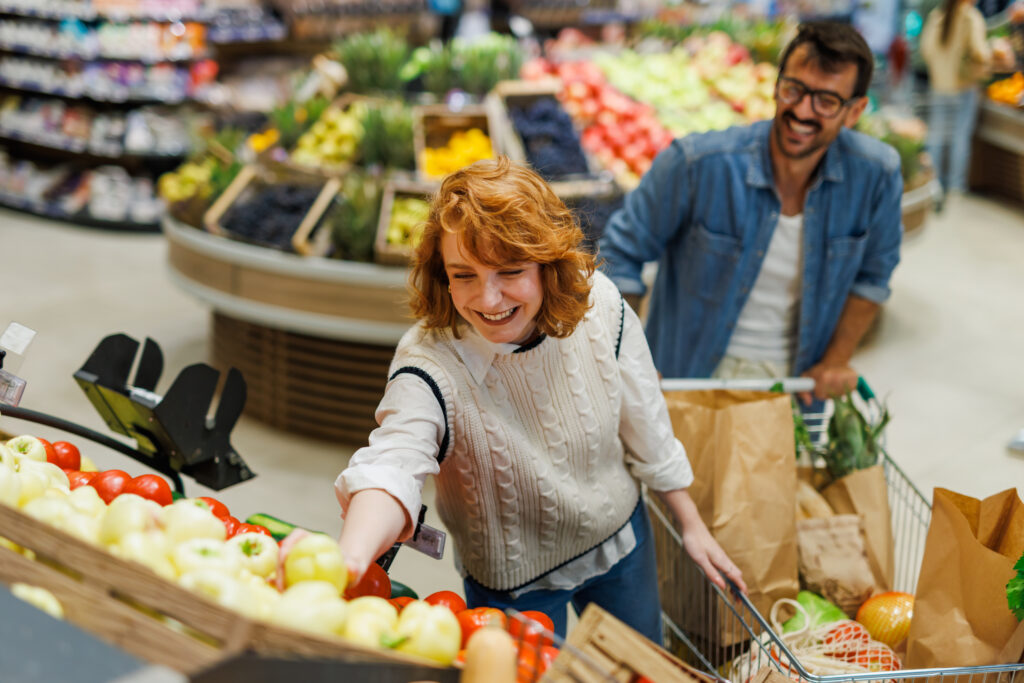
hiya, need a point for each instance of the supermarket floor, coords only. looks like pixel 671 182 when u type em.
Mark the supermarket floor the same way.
pixel 947 357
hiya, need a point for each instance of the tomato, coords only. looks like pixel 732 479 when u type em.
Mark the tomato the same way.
pixel 532 664
pixel 51 454
pixel 449 599
pixel 887 616
pixel 873 658
pixel 65 456
pixel 401 601
pixel 375 581
pixel 231 525
pixel 76 478
pixel 218 508
pixel 110 484
pixel 251 529
pixel 152 487
pixel 478 617
pixel 846 636
pixel 527 631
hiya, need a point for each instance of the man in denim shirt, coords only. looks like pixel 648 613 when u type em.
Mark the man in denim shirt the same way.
pixel 774 242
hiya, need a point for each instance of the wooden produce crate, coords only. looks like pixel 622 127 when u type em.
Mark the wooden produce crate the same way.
pixel 384 251
pixel 618 651
pixel 306 240
pixel 342 103
pixel 434 125
pixel 508 94
pixel 129 606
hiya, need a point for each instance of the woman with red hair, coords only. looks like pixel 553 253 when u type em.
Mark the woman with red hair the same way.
pixel 527 388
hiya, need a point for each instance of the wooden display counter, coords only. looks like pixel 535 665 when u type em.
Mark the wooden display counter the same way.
pixel 997 163
pixel 313 337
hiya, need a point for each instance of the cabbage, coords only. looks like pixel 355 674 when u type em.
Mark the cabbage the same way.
pixel 819 610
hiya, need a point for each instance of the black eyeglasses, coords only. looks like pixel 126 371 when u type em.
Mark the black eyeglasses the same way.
pixel 824 102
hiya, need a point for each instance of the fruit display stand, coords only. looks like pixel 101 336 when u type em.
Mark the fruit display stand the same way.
pixel 130 607
pixel 313 337
pixel 997 164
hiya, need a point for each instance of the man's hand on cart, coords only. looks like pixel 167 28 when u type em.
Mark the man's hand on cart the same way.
pixel 830 380
pixel 700 545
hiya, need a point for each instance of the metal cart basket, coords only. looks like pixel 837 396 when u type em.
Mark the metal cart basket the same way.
pixel 710 610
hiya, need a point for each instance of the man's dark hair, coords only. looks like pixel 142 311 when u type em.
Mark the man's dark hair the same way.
pixel 832 45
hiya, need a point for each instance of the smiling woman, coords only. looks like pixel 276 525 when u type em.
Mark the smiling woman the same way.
pixel 527 388
pixel 503 259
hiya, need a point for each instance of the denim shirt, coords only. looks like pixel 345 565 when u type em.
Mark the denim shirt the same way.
pixel 706 211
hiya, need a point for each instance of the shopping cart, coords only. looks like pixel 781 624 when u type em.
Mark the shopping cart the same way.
pixel 751 642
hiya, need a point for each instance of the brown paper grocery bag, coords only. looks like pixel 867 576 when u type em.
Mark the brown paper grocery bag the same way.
pixel 960 613
pixel 740 445
pixel 865 493
pixel 833 561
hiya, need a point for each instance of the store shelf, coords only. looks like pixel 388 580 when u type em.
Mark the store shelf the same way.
pixel 85 149
pixel 58 15
pixel 255 33
pixel 62 54
pixel 334 299
pixel 60 92
pixel 53 210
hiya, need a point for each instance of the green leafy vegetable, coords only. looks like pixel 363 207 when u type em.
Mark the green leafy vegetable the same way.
pixel 819 611
pixel 853 443
pixel 1015 591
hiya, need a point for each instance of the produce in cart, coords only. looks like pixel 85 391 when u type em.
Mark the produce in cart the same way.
pixel 821 638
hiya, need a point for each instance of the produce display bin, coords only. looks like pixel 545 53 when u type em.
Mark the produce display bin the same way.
pixel 689 614
pixel 434 124
pixel 386 252
pixel 306 240
pixel 509 94
pixel 132 608
pixel 288 165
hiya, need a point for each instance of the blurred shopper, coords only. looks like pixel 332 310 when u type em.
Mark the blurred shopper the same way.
pixel 775 241
pixel 958 58
pixel 528 389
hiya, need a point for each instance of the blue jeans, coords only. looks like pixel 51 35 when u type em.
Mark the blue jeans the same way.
pixel 951 121
pixel 629 590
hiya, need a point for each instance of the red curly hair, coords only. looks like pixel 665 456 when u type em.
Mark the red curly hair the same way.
pixel 503 212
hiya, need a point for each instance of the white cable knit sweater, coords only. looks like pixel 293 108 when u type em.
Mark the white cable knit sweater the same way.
pixel 532 471
pixel 535 473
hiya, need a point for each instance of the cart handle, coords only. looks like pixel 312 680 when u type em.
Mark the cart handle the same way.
pixel 789 385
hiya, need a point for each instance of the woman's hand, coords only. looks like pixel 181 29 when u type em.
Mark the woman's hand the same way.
pixel 373 522
pixel 700 545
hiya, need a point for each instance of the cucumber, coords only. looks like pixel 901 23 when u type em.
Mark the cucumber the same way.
pixel 399 589
pixel 278 528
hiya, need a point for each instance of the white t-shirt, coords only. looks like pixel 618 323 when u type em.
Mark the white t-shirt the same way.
pixel 768 323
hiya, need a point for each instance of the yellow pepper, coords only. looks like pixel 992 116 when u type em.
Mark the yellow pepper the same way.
pixel 463 148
